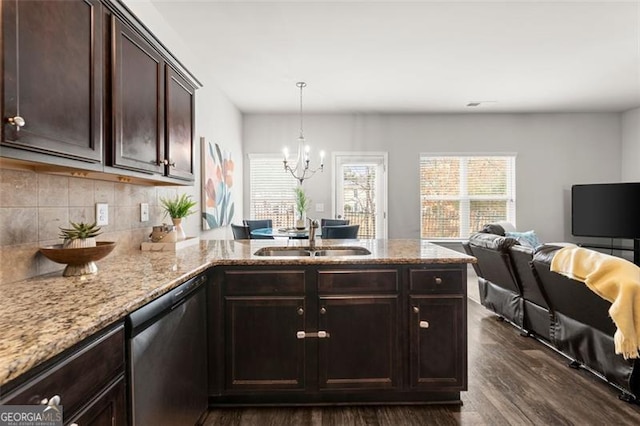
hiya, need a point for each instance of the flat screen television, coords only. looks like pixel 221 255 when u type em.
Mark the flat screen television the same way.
pixel 610 210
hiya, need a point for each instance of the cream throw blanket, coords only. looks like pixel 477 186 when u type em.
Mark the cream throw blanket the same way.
pixel 614 279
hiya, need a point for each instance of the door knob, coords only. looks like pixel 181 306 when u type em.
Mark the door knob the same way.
pixel 323 310
pixel 16 121
pixel 300 311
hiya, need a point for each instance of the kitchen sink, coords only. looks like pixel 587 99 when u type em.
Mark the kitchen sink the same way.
pixel 343 251
pixel 307 252
pixel 282 251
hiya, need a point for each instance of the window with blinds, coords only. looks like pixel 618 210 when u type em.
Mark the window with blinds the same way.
pixel 271 190
pixel 460 194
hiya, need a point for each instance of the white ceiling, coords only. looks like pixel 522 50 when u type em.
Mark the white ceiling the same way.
pixel 417 56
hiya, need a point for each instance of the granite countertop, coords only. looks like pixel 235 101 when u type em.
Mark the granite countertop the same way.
pixel 42 316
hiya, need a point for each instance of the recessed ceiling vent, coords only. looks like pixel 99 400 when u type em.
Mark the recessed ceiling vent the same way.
pixel 474 104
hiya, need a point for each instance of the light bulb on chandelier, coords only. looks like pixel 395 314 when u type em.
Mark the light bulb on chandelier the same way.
pixel 302 169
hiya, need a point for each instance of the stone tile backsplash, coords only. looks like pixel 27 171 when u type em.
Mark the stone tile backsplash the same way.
pixel 34 205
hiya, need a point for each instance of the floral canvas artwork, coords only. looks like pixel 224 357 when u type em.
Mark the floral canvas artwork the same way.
pixel 218 206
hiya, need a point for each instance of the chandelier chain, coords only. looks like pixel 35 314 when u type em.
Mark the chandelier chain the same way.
pixel 301 85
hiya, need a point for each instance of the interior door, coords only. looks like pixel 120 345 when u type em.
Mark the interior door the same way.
pixel 360 191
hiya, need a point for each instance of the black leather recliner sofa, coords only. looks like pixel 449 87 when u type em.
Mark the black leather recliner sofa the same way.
pixel 497 283
pixel 582 328
pixel 506 282
pixel 516 282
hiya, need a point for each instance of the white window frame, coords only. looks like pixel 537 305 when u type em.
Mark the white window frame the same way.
pixel 464 198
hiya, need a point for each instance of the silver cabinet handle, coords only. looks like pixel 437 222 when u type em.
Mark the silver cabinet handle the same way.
pixel 424 324
pixel 321 334
pixel 54 400
pixel 416 310
pixel 300 311
pixel 17 121
pixel 169 163
pixel 438 280
pixel 323 310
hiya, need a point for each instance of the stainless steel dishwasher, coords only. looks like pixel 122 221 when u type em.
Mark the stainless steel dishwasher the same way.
pixel 167 350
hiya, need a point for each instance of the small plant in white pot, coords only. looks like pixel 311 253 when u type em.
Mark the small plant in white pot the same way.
pixel 80 235
pixel 178 208
pixel 302 205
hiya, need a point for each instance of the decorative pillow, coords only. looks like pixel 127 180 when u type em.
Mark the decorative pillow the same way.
pixel 493 228
pixel 528 238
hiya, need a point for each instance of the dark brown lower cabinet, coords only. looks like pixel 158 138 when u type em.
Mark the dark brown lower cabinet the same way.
pixel 107 409
pixel 262 351
pixel 321 334
pixel 436 341
pixel 359 350
pixel 88 379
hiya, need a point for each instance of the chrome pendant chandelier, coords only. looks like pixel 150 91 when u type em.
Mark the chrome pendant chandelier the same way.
pixel 302 169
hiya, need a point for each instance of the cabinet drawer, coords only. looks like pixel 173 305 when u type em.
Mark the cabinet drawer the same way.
pixel 77 377
pixel 263 282
pixel 361 281
pixel 435 281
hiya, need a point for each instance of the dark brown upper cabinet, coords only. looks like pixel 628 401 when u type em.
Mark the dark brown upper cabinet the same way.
pixel 53 64
pixel 153 109
pixel 180 122
pixel 138 102
pixel 86 86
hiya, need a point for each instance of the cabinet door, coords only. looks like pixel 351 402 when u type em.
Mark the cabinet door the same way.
pixel 108 409
pixel 53 77
pixel 437 343
pixel 262 347
pixel 361 347
pixel 138 102
pixel 180 108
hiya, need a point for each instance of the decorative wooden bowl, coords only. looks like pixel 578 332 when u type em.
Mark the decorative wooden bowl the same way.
pixel 79 261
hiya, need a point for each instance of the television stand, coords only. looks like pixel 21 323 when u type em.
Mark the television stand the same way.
pixel 635 249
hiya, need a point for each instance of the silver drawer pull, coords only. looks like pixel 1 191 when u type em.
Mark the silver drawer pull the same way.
pixel 319 334
pixel 54 400
pixel 16 121
pixel 438 280
pixel 424 324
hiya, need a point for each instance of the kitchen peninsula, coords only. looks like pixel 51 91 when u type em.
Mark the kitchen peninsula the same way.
pixel 389 326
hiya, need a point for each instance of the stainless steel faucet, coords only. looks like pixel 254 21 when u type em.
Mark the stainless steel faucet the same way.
pixel 313 225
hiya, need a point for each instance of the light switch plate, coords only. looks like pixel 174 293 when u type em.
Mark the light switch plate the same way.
pixel 102 214
pixel 319 207
pixel 144 212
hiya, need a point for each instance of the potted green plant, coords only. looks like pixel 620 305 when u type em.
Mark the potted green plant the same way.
pixel 79 235
pixel 178 208
pixel 302 205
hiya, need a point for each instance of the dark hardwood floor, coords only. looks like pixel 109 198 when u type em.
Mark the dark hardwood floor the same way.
pixel 513 380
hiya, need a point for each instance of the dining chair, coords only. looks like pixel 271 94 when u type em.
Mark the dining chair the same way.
pixel 240 232
pixel 340 231
pixel 333 222
pixel 258 224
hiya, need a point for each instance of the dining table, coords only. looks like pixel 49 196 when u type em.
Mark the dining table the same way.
pixel 291 233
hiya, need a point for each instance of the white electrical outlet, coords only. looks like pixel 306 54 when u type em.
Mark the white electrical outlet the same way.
pixel 102 214
pixel 144 212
